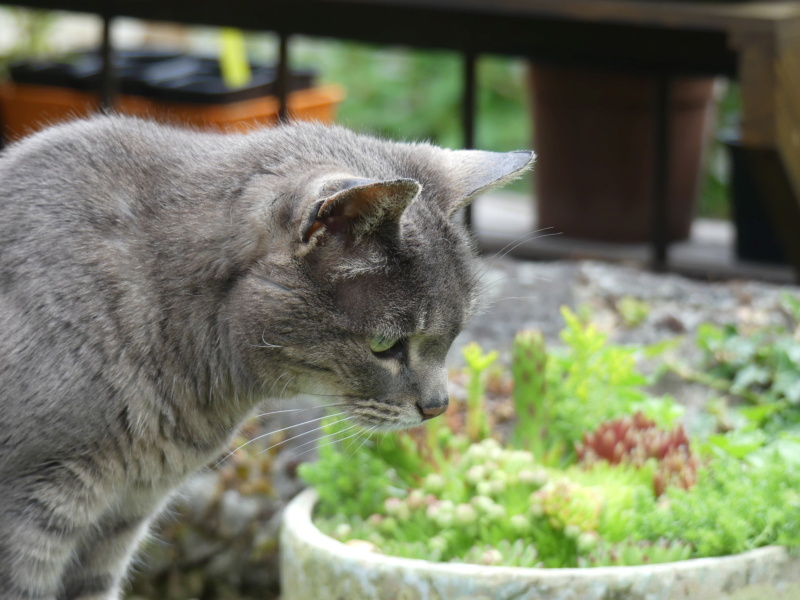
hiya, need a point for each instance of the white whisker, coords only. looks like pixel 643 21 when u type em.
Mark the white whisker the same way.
pixel 520 239
pixel 508 248
pixel 515 298
pixel 366 439
pixel 274 383
pixel 335 440
pixel 263 435
pixel 307 408
pixel 285 385
pixel 266 344
pixel 299 435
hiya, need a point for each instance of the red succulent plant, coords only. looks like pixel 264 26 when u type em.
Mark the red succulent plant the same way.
pixel 635 440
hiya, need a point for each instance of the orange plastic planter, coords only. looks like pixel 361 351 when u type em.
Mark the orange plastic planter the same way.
pixel 27 108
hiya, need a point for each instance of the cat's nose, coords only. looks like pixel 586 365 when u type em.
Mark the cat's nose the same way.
pixel 432 408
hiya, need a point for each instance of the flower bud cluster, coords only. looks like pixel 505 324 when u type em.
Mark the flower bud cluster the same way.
pixel 492 470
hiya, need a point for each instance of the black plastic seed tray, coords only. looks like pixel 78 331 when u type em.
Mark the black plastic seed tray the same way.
pixel 163 76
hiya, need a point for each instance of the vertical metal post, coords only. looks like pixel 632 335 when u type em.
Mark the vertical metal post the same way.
pixel 469 106
pixel 282 77
pixel 661 158
pixel 107 80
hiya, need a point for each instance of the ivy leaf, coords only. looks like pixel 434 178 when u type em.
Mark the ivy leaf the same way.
pixel 757 415
pixel 793 352
pixel 791 304
pixel 739 443
pixel 750 376
pixel 788 449
pixel 787 384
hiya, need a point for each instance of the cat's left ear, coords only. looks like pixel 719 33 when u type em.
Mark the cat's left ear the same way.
pixel 478 170
pixel 354 208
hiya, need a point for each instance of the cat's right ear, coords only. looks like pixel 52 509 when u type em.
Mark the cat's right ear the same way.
pixel 476 171
pixel 354 208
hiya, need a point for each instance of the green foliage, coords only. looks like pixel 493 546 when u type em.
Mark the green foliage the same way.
pixel 561 394
pixel 591 381
pixel 480 498
pixel 349 482
pixel 34 37
pixel 412 94
pixel 633 311
pixel 734 507
pixel 452 492
pixel 762 368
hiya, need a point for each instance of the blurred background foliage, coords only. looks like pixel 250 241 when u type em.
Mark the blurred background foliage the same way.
pixel 410 94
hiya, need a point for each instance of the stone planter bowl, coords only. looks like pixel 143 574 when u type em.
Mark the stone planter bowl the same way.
pixel 315 566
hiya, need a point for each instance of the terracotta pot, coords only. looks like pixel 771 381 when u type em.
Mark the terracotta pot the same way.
pixel 28 107
pixel 593 133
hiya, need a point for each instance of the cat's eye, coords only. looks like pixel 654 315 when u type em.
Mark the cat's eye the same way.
pixel 381 343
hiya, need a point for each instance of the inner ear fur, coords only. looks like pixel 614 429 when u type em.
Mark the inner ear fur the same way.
pixel 354 208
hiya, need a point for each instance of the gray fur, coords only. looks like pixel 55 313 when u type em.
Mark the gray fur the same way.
pixel 156 283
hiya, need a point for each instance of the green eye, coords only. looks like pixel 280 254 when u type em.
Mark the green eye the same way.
pixel 381 343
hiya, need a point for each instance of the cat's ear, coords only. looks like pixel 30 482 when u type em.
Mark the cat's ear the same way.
pixel 357 207
pixel 477 170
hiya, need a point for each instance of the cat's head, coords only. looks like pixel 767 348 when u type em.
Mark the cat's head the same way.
pixel 365 274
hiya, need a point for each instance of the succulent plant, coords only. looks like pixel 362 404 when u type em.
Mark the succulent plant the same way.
pixel 635 440
pixel 506 553
pixel 569 506
pixel 528 366
pixel 477 425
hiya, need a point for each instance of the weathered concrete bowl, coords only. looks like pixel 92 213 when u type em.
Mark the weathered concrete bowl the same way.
pixel 317 567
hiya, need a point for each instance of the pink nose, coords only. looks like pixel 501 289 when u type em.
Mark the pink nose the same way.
pixel 428 412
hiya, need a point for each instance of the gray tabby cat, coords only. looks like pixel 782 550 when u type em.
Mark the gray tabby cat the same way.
pixel 156 283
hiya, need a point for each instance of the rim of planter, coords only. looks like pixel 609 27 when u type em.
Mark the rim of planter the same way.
pixel 314 565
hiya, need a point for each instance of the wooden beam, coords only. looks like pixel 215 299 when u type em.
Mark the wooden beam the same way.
pixel 657 13
pixel 786 72
pixel 756 75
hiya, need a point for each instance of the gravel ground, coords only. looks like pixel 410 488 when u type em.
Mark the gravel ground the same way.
pixel 221 541
pixel 524 295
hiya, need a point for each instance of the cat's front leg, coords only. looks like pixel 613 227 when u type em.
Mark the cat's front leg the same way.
pixel 100 563
pixel 45 513
pixel 36 545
